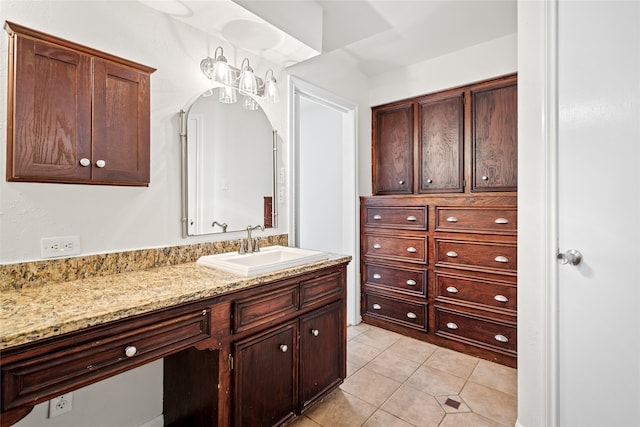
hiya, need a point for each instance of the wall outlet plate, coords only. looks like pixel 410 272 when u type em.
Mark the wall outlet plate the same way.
pixel 53 247
pixel 61 404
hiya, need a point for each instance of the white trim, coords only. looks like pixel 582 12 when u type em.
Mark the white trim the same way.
pixel 301 88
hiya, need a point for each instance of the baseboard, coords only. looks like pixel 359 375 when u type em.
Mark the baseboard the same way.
pixel 156 422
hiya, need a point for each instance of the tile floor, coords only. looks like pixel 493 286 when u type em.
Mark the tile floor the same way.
pixel 395 381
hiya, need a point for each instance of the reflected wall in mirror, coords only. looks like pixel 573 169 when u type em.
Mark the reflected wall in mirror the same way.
pixel 228 167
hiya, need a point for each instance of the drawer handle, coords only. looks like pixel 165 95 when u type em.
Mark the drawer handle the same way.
pixel 452 219
pixel 85 162
pixel 101 163
pixel 377 276
pixel 501 221
pixel 401 182
pixel 283 348
pixel 411 315
pixel 452 289
pixel 411 218
pixel 452 325
pixel 501 258
pixel 315 332
pixel 412 249
pixel 501 298
pixel 452 254
pixel 501 338
pixel 485 178
pixel 130 351
pixel 376 246
pixel 377 307
pixel 411 282
pixel 377 217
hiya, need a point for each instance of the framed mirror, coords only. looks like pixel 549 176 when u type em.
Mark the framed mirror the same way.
pixel 228 167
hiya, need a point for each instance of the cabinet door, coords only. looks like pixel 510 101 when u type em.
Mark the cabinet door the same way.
pixel 49 128
pixel 121 124
pixel 322 352
pixel 441 144
pixel 393 149
pixel 495 137
pixel 266 377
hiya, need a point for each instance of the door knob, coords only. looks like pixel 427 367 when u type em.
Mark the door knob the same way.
pixel 571 256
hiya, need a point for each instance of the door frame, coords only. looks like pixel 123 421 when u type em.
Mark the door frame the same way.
pixel 299 88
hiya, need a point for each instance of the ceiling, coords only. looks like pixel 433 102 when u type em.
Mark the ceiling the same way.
pixel 378 35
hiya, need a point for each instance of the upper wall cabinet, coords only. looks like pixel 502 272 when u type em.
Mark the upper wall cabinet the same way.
pixel 427 138
pixel 75 115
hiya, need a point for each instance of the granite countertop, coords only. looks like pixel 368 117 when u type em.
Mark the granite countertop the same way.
pixel 34 313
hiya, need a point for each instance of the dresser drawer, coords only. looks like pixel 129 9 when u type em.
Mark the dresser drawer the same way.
pixel 491 220
pixel 406 313
pixel 409 218
pixel 481 256
pixel 484 292
pixel 68 363
pixel 400 248
pixel 406 280
pixel 257 310
pixel 322 289
pixel 479 331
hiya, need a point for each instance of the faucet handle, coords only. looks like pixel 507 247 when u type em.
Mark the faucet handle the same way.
pixel 256 246
pixel 242 250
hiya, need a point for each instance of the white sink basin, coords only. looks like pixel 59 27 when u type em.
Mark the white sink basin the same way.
pixel 269 259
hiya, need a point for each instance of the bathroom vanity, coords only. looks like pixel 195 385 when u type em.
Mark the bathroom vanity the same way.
pixel 237 350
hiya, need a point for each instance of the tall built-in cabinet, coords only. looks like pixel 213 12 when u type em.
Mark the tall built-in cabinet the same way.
pixel 438 237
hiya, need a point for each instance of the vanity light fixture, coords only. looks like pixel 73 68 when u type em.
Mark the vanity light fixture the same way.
pixel 231 80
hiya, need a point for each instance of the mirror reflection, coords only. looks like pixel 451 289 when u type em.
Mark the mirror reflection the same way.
pixel 228 167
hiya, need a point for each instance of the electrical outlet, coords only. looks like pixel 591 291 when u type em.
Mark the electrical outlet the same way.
pixel 60 405
pixel 52 247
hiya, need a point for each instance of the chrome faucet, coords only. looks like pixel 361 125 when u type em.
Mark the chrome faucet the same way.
pixel 223 225
pixel 251 247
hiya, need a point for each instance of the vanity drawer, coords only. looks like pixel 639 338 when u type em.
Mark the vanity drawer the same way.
pixel 484 292
pixel 481 256
pixel 68 363
pixel 321 289
pixel 257 310
pixel 476 330
pixel 409 218
pixel 400 248
pixel 490 220
pixel 406 313
pixel 406 280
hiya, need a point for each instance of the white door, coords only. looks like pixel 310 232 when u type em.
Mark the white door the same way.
pixel 599 213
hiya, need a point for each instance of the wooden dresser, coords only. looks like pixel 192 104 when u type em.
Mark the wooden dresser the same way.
pixel 439 236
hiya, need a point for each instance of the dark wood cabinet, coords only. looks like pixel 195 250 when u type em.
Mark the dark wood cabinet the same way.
pixel 75 115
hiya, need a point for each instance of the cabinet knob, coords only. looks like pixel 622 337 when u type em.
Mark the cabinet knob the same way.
pixel 452 325
pixel 452 289
pixel 411 218
pixel 411 315
pixel 401 182
pixel 501 298
pixel 412 249
pixel 377 276
pixel 283 348
pixel 101 163
pixel 376 246
pixel 452 254
pixel 85 162
pixel 501 338
pixel 130 351
pixel 485 178
pixel 315 332
pixel 501 258
pixel 429 181
pixel 377 307
pixel 411 282
pixel 501 221
pixel 377 217
pixel 452 219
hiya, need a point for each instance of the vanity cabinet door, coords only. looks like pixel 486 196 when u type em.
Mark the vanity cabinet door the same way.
pixel 266 391
pixel 322 352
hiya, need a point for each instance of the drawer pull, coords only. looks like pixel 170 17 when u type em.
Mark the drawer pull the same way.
pixel 485 178
pixel 452 325
pixel 377 276
pixel 284 348
pixel 401 182
pixel 376 246
pixel 501 338
pixel 130 351
pixel 377 217
pixel 412 249
pixel 501 221
pixel 501 258
pixel 377 307
pixel 452 289
pixel 411 218
pixel 411 315
pixel 411 282
pixel 501 298
pixel 452 254
pixel 452 219
pixel 315 332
